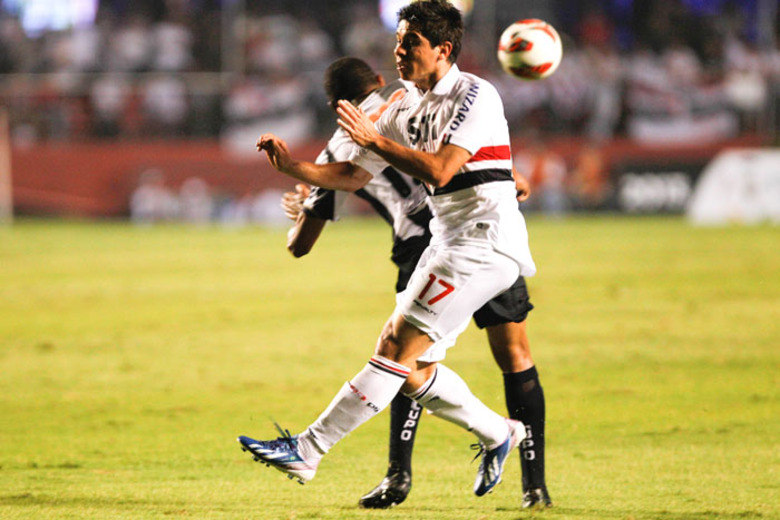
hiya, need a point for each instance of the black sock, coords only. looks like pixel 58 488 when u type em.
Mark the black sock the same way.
pixel 404 417
pixel 525 403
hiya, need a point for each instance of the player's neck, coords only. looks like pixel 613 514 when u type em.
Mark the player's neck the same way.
pixel 430 81
pixel 363 96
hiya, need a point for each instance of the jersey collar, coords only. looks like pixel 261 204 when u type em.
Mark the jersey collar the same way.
pixel 445 84
pixel 410 86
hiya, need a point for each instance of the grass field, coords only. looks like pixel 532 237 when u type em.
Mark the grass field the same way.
pixel 131 358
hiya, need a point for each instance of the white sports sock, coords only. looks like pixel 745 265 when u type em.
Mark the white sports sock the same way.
pixel 446 395
pixel 369 392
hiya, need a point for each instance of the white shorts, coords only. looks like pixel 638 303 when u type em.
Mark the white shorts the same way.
pixel 451 282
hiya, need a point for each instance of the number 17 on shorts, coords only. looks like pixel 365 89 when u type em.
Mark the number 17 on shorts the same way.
pixel 449 285
pixel 448 288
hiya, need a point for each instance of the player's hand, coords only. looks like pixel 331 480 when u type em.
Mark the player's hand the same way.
pixel 292 201
pixel 277 151
pixel 522 186
pixel 357 124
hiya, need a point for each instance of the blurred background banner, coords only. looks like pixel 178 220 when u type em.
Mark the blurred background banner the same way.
pixel 149 109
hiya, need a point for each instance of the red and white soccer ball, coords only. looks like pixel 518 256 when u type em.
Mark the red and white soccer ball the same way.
pixel 530 49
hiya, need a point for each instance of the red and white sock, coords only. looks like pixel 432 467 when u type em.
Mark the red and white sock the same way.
pixel 367 394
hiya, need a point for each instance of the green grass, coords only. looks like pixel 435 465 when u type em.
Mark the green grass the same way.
pixel 130 358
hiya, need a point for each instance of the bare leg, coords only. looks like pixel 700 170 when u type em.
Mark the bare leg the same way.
pixel 510 347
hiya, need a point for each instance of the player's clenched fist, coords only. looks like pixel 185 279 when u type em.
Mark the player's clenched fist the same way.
pixel 522 186
pixel 292 201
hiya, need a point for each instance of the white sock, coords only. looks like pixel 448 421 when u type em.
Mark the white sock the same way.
pixel 369 392
pixel 446 395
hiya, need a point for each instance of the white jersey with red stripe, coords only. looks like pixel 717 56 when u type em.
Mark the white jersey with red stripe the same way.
pixel 478 205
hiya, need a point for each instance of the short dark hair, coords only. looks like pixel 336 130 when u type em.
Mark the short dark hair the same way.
pixel 438 20
pixel 348 78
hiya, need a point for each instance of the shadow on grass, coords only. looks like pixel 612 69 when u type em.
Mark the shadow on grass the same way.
pixel 42 499
pixel 573 512
pixel 174 507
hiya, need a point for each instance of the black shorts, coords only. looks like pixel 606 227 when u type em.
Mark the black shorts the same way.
pixel 512 305
pixel 406 254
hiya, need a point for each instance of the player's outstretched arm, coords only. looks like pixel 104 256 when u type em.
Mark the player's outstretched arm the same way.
pixel 436 169
pixel 343 176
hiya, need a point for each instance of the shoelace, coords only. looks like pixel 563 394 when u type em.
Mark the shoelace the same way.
pixel 285 434
pixel 285 439
pixel 481 449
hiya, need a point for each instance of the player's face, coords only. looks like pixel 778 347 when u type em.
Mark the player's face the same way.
pixel 415 58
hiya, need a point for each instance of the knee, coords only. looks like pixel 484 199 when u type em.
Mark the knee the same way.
pixel 418 377
pixel 388 345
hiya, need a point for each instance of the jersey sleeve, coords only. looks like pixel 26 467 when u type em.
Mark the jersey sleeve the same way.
pixel 324 204
pixel 339 148
pixel 367 159
pixel 479 110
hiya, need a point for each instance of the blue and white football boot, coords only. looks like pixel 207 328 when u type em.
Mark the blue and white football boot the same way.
pixel 282 453
pixel 492 464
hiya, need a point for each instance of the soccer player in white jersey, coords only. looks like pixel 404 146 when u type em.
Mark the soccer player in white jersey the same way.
pixel 395 197
pixel 448 131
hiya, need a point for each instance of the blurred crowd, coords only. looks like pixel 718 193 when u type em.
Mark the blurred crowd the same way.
pixel 154 200
pixel 655 71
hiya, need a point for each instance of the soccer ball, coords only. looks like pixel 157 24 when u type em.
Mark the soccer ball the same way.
pixel 530 49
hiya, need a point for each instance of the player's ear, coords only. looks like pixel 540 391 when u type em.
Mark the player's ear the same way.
pixel 445 49
pixel 380 80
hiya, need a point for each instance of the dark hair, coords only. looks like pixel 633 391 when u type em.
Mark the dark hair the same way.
pixel 348 78
pixel 438 20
